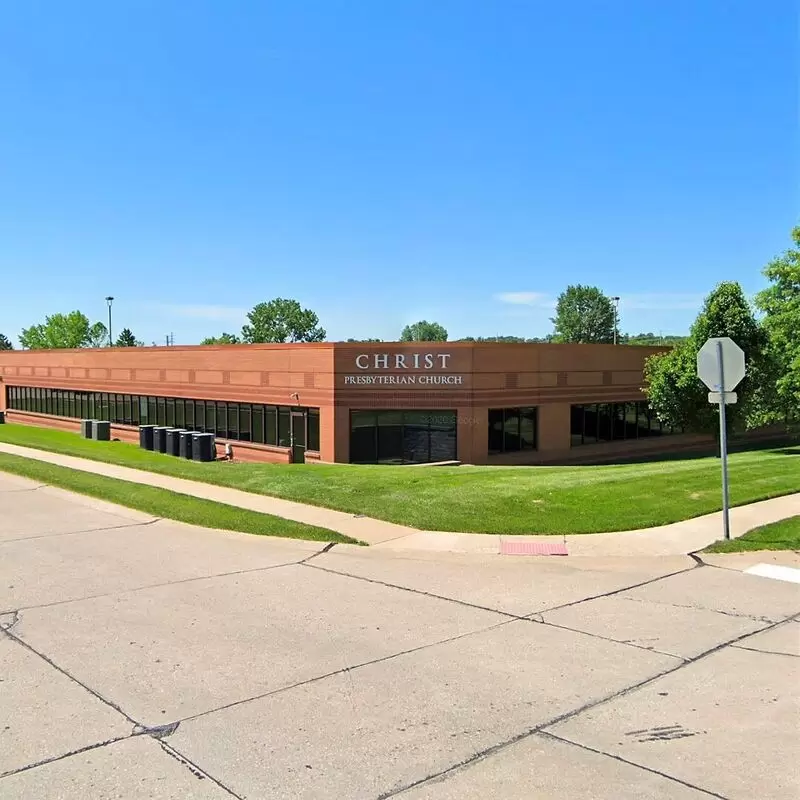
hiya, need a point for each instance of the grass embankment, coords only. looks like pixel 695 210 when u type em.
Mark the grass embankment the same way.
pixel 163 503
pixel 783 535
pixel 517 500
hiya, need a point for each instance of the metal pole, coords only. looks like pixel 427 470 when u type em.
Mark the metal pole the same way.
pixel 723 444
pixel 110 300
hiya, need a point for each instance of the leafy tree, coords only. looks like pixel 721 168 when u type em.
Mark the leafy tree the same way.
pixel 127 339
pixel 509 339
pixel 282 320
pixel 225 338
pixel 678 396
pixel 780 303
pixel 424 331
pixel 652 339
pixel 5 343
pixel 584 315
pixel 61 331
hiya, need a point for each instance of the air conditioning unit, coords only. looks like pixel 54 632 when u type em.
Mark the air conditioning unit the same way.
pixel 185 444
pixel 160 438
pixel 204 447
pixel 173 441
pixel 146 437
pixel 101 431
pixel 87 426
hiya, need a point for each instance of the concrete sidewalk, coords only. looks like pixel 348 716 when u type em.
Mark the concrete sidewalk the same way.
pixel 676 539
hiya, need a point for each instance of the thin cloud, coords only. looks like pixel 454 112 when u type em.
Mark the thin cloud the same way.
pixel 534 299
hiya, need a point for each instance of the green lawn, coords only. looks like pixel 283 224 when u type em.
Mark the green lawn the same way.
pixel 166 504
pixel 519 500
pixel 783 535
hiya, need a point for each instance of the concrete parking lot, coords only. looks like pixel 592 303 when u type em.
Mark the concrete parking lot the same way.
pixel 142 658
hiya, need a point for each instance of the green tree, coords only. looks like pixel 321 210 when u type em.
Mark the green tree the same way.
pixel 5 343
pixel 780 303
pixel 652 339
pixel 282 320
pixel 584 315
pixel 225 338
pixel 127 339
pixel 424 331
pixel 678 396
pixel 61 331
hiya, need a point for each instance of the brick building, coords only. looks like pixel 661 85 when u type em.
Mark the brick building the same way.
pixel 478 403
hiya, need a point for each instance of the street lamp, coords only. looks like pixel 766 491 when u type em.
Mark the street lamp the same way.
pixel 615 300
pixel 109 300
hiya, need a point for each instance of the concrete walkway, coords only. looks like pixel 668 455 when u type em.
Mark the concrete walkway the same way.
pixel 676 539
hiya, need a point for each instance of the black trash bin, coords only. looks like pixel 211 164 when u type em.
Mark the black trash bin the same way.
pixel 203 447
pixel 173 441
pixel 146 437
pixel 160 438
pixel 86 428
pixel 101 430
pixel 185 445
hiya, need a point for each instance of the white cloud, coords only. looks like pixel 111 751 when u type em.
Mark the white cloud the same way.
pixel 212 313
pixel 535 299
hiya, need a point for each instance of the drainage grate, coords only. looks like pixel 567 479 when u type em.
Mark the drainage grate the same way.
pixel 513 547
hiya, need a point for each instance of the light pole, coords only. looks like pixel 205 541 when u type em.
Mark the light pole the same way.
pixel 109 300
pixel 615 300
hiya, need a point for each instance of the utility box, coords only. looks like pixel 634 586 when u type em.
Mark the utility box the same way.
pixel 2 417
pixel 204 447
pixel 86 428
pixel 160 438
pixel 173 441
pixel 101 431
pixel 185 444
pixel 146 437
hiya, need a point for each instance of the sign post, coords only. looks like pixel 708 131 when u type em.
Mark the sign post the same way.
pixel 721 367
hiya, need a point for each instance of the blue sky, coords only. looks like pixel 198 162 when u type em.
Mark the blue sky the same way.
pixel 384 162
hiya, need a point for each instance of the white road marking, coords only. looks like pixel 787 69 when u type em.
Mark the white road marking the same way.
pixel 776 572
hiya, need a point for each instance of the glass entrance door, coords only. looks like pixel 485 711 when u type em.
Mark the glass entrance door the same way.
pixel 298 437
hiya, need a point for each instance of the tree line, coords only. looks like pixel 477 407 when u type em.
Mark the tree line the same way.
pixel 68 331
pixel 769 334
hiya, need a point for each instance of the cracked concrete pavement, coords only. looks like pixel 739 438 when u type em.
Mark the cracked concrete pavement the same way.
pixel 142 658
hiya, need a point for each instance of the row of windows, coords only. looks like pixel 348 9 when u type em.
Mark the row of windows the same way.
pixel 512 430
pixel 610 422
pixel 245 422
pixel 402 437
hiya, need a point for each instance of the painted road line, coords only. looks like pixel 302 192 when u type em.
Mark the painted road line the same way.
pixel 776 572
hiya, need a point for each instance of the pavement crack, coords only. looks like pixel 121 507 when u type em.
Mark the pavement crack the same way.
pixel 8 620
pixel 692 607
pixel 348 669
pixel 156 731
pixel 69 675
pixel 626 643
pixel 159 585
pixel 375 581
pixel 82 530
pixel 765 652
pixel 617 591
pixel 542 728
pixel 328 547
pixel 653 771
pixel 196 770
pixel 42 762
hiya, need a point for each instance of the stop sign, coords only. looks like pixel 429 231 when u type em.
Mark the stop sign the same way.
pixel 720 358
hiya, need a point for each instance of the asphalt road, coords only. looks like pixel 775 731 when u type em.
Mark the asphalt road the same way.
pixel 148 659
